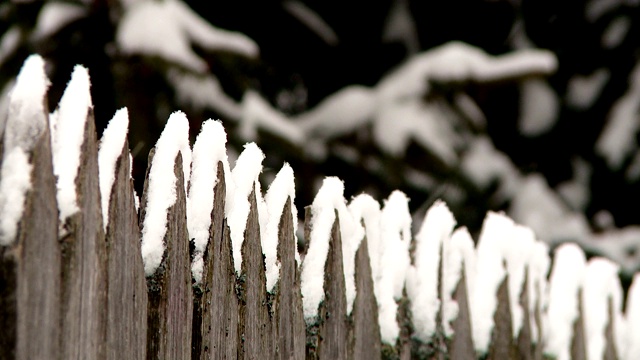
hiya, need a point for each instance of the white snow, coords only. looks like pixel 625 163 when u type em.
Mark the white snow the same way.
pixel 162 192
pixel 16 181
pixel 258 113
pixel 328 198
pixel 620 245
pixel 245 179
pixel 483 164
pixel 539 107
pixel 400 26
pixel 364 208
pixel 395 235
pixel 575 192
pixel 422 278
pixel 497 229
pixel 584 90
pixel 601 285
pixel 166 29
pixel 538 267
pixel 111 146
pixel 618 139
pixel 352 233
pixel 597 8
pixel 615 33
pixel 9 43
pixel 56 15
pixel 569 268
pixel 280 191
pixel 537 206
pixel 208 150
pixel 203 92
pixel 70 123
pixel 632 333
pixel 459 251
pixel 517 252
pixel 312 20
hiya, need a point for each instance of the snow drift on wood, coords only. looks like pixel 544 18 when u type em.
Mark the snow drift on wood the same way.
pixel 566 280
pixel 245 178
pixel 422 277
pixel 328 198
pixel 71 120
pixel 280 191
pixel 459 251
pixel 395 235
pixel 208 151
pixel 517 251
pixel 490 272
pixel 632 333
pixel 111 146
pixel 162 192
pixel 25 124
pixel 601 285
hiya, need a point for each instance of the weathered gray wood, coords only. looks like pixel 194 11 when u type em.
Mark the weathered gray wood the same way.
pixel 332 332
pixel 578 343
pixel 610 351
pixel 216 308
pixel 170 303
pixel 84 275
pixel 524 344
pixel 255 328
pixel 366 330
pixel 538 352
pixel 30 269
pixel 287 306
pixel 502 346
pixel 403 317
pixel 461 344
pixel 127 291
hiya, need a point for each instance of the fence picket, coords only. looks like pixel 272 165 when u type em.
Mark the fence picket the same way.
pixel 287 303
pixel 170 306
pixel 366 330
pixel 255 329
pixel 74 290
pixel 84 262
pixel 127 290
pixel 30 268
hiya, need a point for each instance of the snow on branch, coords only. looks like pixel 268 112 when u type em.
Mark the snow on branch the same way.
pixel 111 145
pixel 167 28
pixel 422 277
pixel 208 151
pixel 162 193
pixel 71 118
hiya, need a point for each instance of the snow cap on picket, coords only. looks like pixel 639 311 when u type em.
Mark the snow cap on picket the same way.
pixel 162 192
pixel 208 151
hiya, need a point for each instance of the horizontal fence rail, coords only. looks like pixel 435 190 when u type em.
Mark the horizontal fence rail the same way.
pixel 206 266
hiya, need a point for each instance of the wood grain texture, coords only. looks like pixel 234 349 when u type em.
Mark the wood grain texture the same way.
pixel 578 343
pixel 170 306
pixel 255 329
pixel 502 345
pixel 84 274
pixel 217 306
pixel 524 343
pixel 127 291
pixel 461 344
pixel 366 343
pixel 30 269
pixel 333 331
pixel 610 351
pixel 287 306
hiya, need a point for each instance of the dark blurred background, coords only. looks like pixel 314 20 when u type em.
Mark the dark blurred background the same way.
pixel 309 50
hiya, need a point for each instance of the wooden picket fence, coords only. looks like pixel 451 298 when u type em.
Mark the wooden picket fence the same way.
pixel 74 290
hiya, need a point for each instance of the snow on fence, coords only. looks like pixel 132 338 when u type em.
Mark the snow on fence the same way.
pixel 204 267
